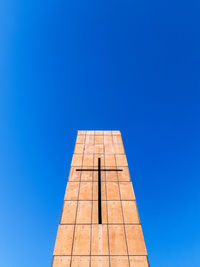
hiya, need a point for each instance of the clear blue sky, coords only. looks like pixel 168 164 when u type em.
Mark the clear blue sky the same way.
pixel 127 65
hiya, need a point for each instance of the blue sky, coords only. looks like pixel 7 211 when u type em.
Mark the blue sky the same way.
pixel 127 65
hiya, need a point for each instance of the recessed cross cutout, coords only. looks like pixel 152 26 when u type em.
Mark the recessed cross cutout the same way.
pixel 99 185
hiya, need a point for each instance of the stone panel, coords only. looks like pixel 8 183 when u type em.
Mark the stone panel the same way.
pixel 69 212
pixel 135 239
pixel 117 139
pixel 112 191
pixel 121 160
pixel 108 139
pixel 100 261
pixel 126 191
pixel 82 240
pixel 79 148
pixel 99 148
pixel 130 212
pixel 72 191
pixel 77 160
pixel 109 149
pixel 110 160
pixel 89 149
pixel 124 175
pixel 88 160
pixel 85 191
pixel 98 139
pixel 111 176
pixel 80 139
pixel 138 261
pixel 99 240
pixel 86 176
pixel 64 239
pixel 119 261
pixel 89 139
pixel 80 261
pixel 118 148
pixel 84 213
pixel 61 261
pixel 117 240
pixel 114 212
pixel 74 175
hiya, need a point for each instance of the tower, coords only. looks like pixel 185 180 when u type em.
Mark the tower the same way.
pixel 99 225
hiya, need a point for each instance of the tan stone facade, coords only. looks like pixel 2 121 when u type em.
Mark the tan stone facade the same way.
pixel 81 240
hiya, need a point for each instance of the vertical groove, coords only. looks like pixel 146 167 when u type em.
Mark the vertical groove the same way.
pixel 122 210
pixel 91 211
pixel 77 207
pixel 106 203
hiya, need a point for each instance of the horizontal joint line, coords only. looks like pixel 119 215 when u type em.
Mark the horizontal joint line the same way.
pixel 111 170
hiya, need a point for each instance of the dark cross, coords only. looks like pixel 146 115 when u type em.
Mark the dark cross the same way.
pixel 99 185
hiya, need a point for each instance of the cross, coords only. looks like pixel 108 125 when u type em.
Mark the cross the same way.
pixel 99 185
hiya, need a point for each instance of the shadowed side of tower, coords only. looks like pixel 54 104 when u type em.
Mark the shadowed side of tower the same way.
pixel 99 225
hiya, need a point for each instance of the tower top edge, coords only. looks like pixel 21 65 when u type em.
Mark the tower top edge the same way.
pixel 99 132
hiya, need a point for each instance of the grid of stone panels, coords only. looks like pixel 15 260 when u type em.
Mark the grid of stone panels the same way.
pixel 81 241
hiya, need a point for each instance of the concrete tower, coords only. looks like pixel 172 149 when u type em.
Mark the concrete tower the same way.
pixel 99 225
